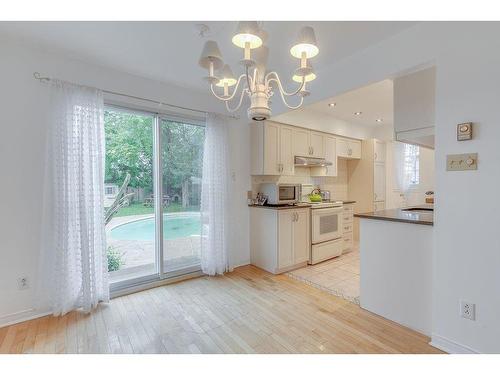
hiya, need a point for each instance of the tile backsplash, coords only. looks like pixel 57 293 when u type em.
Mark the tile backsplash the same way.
pixel 336 185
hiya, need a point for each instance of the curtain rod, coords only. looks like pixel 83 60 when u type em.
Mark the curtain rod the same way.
pixel 40 78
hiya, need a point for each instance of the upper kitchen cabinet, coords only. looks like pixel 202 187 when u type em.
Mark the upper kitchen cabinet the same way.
pixel 317 145
pixel 272 149
pixel 414 107
pixel 301 142
pixel 348 148
pixel 330 154
pixel 308 143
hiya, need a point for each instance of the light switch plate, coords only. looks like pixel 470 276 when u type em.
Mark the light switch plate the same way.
pixel 461 162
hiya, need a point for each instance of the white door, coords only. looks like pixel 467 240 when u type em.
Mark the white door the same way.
pixel 316 142
pixel 301 241
pixel 379 153
pixel 330 146
pixel 301 145
pixel 379 182
pixel 286 151
pixel 285 238
pixel 271 149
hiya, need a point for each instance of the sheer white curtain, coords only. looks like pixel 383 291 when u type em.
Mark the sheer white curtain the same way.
pixel 214 197
pixel 73 271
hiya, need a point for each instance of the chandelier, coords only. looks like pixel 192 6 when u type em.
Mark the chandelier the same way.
pixel 256 82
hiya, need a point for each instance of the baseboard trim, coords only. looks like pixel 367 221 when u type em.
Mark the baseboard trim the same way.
pixel 449 346
pixel 21 316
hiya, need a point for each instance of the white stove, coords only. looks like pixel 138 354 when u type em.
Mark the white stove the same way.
pixel 326 204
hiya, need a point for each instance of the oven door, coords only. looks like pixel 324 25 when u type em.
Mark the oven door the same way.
pixel 326 224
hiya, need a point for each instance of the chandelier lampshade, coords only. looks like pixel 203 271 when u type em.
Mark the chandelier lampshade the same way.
pixel 308 78
pixel 227 77
pixel 306 43
pixel 211 53
pixel 247 32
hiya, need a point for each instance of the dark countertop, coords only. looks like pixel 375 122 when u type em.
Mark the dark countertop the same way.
pixel 287 207
pixel 424 218
pixel 348 202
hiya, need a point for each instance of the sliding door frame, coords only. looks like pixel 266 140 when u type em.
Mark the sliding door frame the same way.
pixel 160 277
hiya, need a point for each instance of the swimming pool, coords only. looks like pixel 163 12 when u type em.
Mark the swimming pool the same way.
pixel 175 225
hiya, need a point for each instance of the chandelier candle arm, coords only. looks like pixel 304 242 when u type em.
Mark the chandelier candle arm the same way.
pixel 239 103
pixel 269 79
pixel 226 99
pixel 291 106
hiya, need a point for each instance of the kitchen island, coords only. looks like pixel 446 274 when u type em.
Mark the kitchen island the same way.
pixel 396 265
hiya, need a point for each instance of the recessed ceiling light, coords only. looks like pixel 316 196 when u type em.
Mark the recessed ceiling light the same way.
pixel 358 113
pixel 379 120
pixel 332 104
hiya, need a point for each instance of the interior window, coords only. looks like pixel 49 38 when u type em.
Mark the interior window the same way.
pixel 412 163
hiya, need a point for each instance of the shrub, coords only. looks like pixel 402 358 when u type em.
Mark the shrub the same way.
pixel 115 260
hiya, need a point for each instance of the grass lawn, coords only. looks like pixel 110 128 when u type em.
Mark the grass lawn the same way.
pixel 139 209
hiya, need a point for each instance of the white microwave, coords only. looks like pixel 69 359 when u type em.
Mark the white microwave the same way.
pixel 281 194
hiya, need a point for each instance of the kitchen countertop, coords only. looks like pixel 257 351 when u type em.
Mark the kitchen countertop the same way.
pixel 424 218
pixel 287 207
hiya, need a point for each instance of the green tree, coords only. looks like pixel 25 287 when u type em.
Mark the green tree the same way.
pixel 129 149
pixel 182 157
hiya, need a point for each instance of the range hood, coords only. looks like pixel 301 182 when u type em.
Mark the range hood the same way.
pixel 303 161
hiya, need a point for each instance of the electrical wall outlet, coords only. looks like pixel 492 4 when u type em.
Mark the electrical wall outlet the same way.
pixel 23 283
pixel 467 310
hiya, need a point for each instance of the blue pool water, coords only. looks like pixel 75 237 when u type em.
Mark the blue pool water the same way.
pixel 144 230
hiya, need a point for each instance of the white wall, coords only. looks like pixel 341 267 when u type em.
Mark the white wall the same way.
pixel 22 144
pixel 466 243
pixel 415 196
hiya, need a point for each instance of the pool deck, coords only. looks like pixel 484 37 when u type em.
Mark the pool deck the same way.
pixel 139 255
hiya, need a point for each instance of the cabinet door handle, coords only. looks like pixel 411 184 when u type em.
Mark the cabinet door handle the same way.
pixel 375 156
pixel 375 195
pixel 312 150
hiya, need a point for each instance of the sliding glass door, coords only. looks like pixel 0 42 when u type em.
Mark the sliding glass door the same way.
pixel 152 195
pixel 182 159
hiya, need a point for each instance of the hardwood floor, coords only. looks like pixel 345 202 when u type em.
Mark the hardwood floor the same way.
pixel 246 311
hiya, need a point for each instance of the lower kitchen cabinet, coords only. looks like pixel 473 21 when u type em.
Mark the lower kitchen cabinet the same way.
pixel 279 238
pixel 348 223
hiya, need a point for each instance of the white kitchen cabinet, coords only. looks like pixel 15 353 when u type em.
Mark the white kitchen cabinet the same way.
pixel 348 223
pixel 317 145
pixel 379 182
pixel 272 149
pixel 348 148
pixel 279 238
pixel 379 151
pixel 330 154
pixel 301 142
pixel 367 178
pixel 286 151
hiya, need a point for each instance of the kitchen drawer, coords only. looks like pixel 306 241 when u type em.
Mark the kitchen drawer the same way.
pixel 347 217
pixel 347 241
pixel 326 250
pixel 347 227
pixel 348 208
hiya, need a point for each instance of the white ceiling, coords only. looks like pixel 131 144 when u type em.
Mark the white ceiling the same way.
pixel 169 51
pixel 374 101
